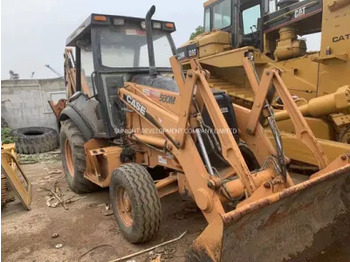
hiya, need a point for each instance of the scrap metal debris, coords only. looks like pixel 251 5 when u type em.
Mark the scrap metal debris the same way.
pixel 59 246
pixel 60 201
pixel 149 249
pixel 57 195
pixel 55 172
pixel 161 253
pixel 108 211
pixel 183 214
pixel 94 248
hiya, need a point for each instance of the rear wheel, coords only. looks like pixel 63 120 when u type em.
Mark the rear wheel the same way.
pixel 135 203
pixel 73 158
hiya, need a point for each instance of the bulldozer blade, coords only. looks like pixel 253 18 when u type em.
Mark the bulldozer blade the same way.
pixel 295 224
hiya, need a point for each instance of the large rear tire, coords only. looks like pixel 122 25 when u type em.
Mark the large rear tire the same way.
pixel 73 158
pixel 135 203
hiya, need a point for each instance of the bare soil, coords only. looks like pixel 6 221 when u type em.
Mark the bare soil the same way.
pixel 88 232
pixel 86 225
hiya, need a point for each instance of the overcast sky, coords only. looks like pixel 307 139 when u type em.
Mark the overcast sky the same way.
pixel 34 31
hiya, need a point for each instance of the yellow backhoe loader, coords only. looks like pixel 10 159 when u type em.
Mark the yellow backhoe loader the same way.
pixel 124 118
pixel 274 33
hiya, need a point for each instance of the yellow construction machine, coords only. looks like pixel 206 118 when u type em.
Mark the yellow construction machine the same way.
pixel 125 119
pixel 274 32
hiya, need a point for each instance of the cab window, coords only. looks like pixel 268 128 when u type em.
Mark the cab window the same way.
pixel 250 19
pixel 86 63
pixel 207 20
pixel 222 14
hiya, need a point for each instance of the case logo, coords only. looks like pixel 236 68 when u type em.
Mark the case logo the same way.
pixel 137 105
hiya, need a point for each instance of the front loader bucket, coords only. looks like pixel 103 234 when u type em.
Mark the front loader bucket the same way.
pixel 296 223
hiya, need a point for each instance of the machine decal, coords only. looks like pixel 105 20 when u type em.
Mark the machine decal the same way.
pixel 135 32
pixel 167 99
pixel 187 52
pixel 340 38
pixel 299 12
pixel 135 104
pixel 162 160
pixel 160 97
pixel 151 93
pixel 192 50
pixel 224 110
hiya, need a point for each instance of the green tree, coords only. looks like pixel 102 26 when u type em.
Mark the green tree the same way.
pixel 198 31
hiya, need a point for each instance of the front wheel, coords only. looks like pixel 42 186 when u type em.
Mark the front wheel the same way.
pixel 135 203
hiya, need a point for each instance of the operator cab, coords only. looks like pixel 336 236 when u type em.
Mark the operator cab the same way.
pixel 111 50
pixel 240 18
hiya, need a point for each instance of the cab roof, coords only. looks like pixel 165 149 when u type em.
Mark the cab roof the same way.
pixel 107 20
pixel 209 2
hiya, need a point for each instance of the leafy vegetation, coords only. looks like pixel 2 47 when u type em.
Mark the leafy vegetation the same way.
pixel 6 137
pixel 198 31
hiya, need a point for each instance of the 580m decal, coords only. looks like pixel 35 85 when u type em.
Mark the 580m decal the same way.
pixel 159 96
pixel 135 104
pixel 167 99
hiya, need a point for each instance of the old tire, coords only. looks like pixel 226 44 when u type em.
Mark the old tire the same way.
pixel 73 158
pixel 34 140
pixel 135 203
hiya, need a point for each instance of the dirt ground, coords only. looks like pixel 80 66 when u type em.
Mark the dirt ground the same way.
pixel 88 232
pixel 27 235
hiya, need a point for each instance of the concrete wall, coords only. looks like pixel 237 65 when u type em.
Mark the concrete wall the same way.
pixel 24 102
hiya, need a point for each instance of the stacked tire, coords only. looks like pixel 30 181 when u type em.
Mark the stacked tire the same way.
pixel 34 140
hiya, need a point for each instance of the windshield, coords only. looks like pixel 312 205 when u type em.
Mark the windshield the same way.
pixel 222 14
pixel 127 47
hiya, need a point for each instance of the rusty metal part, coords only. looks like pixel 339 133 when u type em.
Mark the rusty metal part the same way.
pixel 58 107
pixel 69 157
pixel 289 218
pixel 124 206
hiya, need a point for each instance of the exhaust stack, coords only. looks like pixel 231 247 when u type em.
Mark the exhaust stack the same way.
pixel 152 64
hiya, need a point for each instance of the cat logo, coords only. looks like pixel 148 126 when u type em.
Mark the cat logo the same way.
pixel 341 38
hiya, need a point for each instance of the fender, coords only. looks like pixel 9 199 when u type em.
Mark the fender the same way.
pixel 84 126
